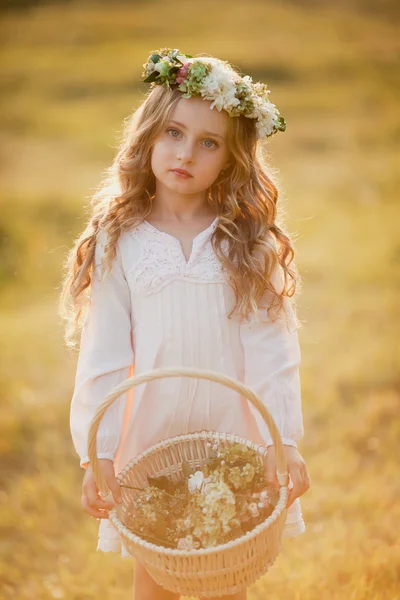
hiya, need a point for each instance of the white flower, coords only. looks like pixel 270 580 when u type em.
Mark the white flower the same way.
pixel 185 544
pixel 150 67
pixel 159 66
pixel 247 79
pixel 254 509
pixel 219 84
pixel 195 481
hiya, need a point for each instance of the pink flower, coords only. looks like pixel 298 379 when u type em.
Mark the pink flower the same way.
pixel 186 543
pixel 254 509
pixel 181 74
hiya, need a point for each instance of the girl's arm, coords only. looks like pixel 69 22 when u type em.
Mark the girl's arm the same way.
pixel 272 359
pixel 106 353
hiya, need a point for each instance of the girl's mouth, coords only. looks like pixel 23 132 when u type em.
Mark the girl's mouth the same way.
pixel 181 173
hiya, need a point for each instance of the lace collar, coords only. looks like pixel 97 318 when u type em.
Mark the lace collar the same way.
pixel 162 261
pixel 197 243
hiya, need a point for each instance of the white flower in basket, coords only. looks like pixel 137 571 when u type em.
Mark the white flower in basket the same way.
pixel 196 481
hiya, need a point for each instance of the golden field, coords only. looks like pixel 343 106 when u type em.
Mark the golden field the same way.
pixel 70 74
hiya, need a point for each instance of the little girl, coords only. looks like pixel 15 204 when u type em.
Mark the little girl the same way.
pixel 182 263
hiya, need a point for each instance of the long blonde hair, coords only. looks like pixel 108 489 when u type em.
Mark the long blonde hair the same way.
pixel 244 197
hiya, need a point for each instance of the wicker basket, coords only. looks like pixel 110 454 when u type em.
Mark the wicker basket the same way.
pixel 209 572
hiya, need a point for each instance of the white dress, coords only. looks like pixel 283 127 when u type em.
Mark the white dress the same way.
pixel 155 309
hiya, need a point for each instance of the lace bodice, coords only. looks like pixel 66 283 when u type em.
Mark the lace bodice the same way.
pixel 161 260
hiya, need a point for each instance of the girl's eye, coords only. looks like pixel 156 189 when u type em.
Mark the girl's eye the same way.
pixel 171 131
pixel 212 141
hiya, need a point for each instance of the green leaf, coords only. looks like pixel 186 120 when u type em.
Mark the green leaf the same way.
pixel 161 527
pixel 212 463
pixel 155 58
pixel 162 482
pixel 187 469
pixel 152 77
pixel 281 123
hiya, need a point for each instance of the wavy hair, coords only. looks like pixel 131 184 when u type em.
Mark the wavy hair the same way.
pixel 244 197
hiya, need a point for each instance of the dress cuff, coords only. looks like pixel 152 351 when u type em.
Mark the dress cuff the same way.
pixel 85 459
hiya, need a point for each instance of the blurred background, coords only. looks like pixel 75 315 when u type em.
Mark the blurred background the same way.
pixel 70 74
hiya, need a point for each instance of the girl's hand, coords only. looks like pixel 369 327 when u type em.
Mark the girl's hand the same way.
pixel 91 500
pixel 297 470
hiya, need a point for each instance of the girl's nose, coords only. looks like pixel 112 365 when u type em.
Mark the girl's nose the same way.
pixel 186 151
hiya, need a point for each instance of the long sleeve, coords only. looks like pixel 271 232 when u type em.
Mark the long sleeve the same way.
pixel 272 358
pixel 105 356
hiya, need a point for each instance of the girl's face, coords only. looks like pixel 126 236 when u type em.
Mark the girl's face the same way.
pixel 194 139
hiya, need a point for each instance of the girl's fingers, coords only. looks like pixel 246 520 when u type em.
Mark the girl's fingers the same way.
pixel 94 512
pixel 107 468
pixel 114 487
pixel 301 483
pixel 92 494
pixel 294 493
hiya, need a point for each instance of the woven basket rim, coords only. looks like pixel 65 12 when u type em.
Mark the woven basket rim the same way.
pixel 203 434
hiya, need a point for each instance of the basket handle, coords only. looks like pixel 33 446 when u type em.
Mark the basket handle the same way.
pixel 226 380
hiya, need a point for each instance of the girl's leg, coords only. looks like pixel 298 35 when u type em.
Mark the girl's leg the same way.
pixel 145 588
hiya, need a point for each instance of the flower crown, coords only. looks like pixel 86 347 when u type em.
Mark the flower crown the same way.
pixel 216 80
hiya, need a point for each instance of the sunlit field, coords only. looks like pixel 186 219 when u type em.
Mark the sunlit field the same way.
pixel 70 74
